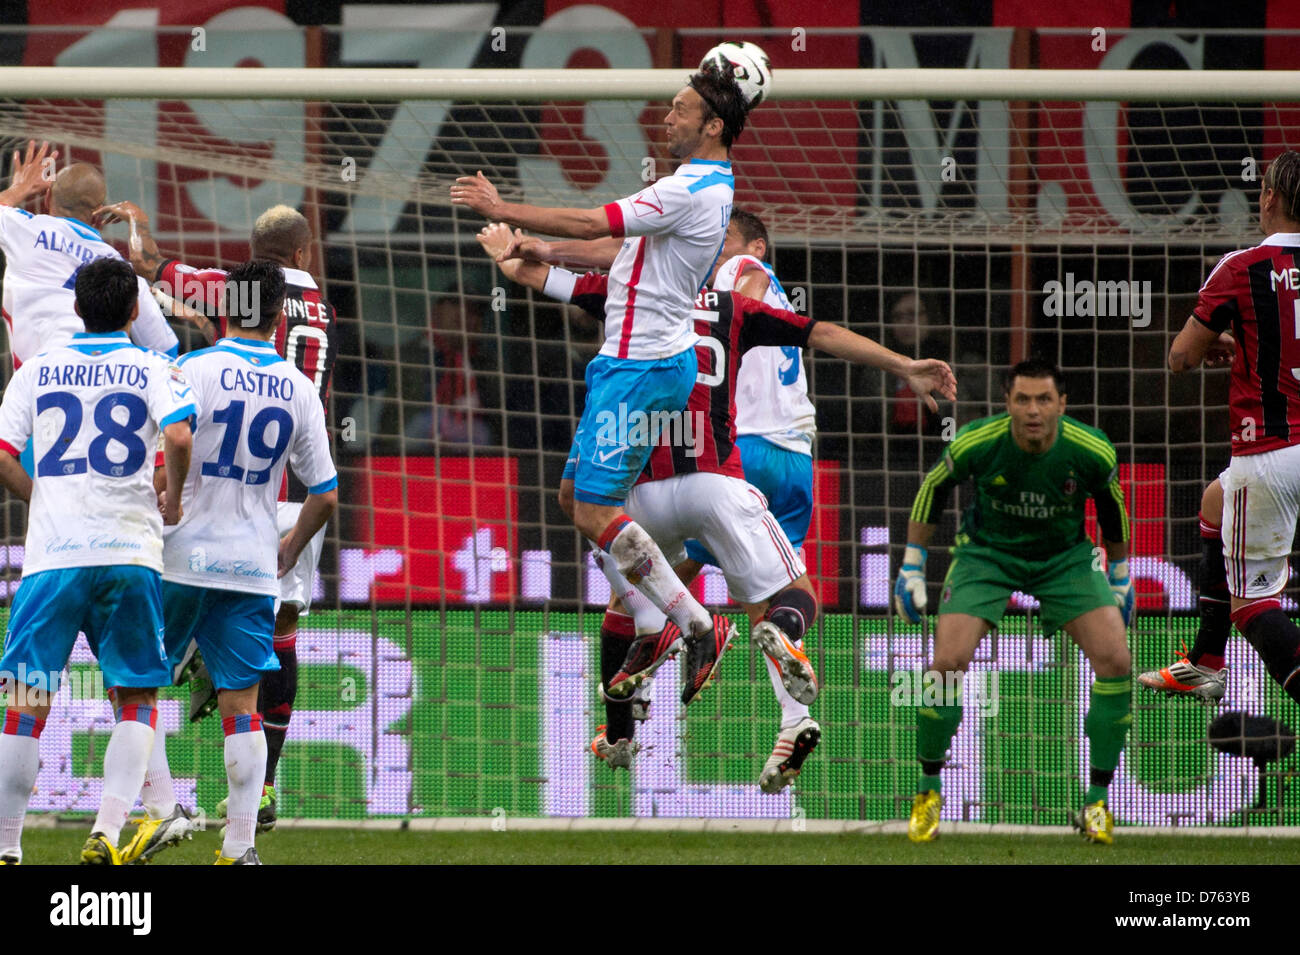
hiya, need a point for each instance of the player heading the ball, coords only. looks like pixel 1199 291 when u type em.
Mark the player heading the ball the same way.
pixel 672 233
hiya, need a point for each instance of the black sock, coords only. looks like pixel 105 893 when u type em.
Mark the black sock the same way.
pixel 275 702
pixel 616 633
pixel 1100 777
pixel 1277 640
pixel 1215 605
pixel 793 610
pixel 931 767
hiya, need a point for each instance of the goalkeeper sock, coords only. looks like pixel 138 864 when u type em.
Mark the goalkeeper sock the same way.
pixel 648 617
pixel 1214 601
pixel 126 759
pixel 20 761
pixel 275 700
pixel 1275 638
pixel 1098 785
pixel 157 793
pixel 935 728
pixel 1109 716
pixel 616 633
pixel 643 564
pixel 245 753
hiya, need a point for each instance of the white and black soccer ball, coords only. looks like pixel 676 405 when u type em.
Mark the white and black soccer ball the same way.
pixel 752 68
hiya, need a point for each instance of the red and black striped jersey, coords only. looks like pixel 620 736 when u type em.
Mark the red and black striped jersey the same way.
pixel 728 326
pixel 1255 294
pixel 307 336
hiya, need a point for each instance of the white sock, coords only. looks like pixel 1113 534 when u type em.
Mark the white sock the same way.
pixel 643 564
pixel 647 617
pixel 245 773
pixel 792 711
pixel 125 762
pixel 157 794
pixel 20 761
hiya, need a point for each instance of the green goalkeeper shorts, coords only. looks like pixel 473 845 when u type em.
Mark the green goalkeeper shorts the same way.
pixel 981 579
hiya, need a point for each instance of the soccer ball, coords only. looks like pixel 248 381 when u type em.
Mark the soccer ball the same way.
pixel 753 70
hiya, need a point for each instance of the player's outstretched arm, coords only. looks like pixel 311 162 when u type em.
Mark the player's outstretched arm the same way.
pixel 575 253
pixel 14 478
pixel 30 174
pixel 479 194
pixel 316 511
pixel 923 376
pixel 1197 343
pixel 177 442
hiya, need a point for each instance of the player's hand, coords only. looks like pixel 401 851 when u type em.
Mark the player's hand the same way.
pixel 532 248
pixel 288 555
pixel 171 513
pixel 32 174
pixel 478 193
pixel 928 375
pixel 909 589
pixel 1221 353
pixel 124 211
pixel 497 241
pixel 1122 587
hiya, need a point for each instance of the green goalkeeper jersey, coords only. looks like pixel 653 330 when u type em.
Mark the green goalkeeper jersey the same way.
pixel 1030 505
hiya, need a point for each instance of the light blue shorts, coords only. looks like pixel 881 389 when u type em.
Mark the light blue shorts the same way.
pixel 234 632
pixel 118 607
pixel 614 439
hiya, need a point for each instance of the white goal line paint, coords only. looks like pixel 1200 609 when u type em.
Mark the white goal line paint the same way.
pixel 894 827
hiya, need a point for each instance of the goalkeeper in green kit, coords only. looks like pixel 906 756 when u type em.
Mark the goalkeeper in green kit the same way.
pixel 1033 468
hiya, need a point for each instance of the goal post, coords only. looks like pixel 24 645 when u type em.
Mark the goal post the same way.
pixel 449 661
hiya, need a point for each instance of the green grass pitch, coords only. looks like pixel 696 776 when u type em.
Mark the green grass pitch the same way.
pixel 364 847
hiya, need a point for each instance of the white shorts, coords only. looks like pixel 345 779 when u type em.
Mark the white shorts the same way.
pixel 296 585
pixel 1261 500
pixel 730 518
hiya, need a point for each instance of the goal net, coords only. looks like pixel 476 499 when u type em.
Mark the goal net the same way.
pixel 450 660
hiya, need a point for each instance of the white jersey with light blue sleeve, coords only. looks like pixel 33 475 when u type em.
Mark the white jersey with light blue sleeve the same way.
pixel 260 413
pixel 93 410
pixel 674 229
pixel 771 387
pixel 42 253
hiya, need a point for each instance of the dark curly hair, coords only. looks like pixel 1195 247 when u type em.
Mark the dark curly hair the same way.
pixel 722 98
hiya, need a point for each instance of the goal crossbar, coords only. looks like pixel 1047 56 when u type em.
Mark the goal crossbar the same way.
pixel 1172 86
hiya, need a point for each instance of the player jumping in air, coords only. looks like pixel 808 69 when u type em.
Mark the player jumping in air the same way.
pixel 647 366
pixel 775 425
pixel 306 339
pixel 220 562
pixel 1252 293
pixel 92 409
pixel 697 488
pixel 1033 469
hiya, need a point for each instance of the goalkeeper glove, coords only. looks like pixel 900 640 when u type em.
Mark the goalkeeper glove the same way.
pixel 1122 587
pixel 909 589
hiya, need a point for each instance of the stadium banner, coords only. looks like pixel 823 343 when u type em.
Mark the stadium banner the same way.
pixel 491 713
